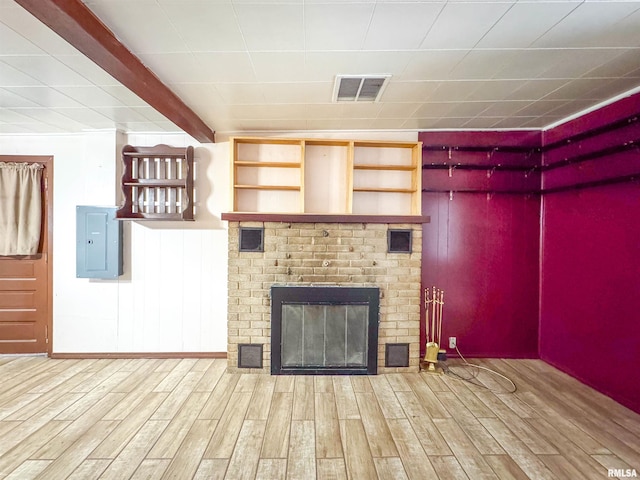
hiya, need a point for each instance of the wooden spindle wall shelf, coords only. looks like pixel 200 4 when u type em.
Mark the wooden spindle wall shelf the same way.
pixel 157 183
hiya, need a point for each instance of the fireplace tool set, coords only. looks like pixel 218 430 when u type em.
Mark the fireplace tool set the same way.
pixel 433 304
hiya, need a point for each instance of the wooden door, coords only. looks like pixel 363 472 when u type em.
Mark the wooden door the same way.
pixel 25 282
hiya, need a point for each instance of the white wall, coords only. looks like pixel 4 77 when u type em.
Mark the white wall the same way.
pixel 172 297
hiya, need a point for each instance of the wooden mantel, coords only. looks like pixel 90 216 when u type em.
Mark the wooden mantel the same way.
pixel 322 218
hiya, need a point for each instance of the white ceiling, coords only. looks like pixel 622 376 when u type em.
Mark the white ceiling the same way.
pixel 251 65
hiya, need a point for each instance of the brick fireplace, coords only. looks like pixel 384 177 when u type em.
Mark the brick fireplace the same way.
pixel 330 253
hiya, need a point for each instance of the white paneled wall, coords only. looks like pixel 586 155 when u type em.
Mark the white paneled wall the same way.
pixel 172 297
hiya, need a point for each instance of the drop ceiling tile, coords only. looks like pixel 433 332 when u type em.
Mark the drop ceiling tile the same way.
pixel 420 123
pixel 15 115
pixel 89 117
pixel 196 94
pixel 481 122
pixel 337 26
pixel 577 89
pixel 262 26
pixel 624 33
pixel 453 91
pixel 432 64
pixel 12 129
pixel 481 65
pixel 321 124
pixel 397 91
pixel 310 92
pixel 124 95
pixel 228 67
pixel 504 108
pixel 570 108
pixel 277 66
pixel 45 69
pixel 58 117
pixel 121 114
pixel 514 122
pixel 589 25
pixel 621 63
pixel 268 2
pixel 535 89
pixel 43 96
pixel 261 125
pixel 323 66
pixel 361 110
pixel 145 28
pixel 462 25
pixel 492 89
pixel 613 88
pixel 185 67
pixel 387 123
pixel 326 111
pixel 131 126
pixel 634 74
pixel 205 26
pixel 10 99
pixel 526 64
pixel 87 69
pixel 148 113
pixel 10 76
pixel 375 62
pixel 469 109
pixel 576 63
pixel 90 96
pixel 541 122
pixel 356 123
pixel 12 43
pixel 400 26
pixel 434 109
pixel 539 108
pixel 450 122
pixel 241 93
pixel 34 31
pixel 396 110
pixel 525 22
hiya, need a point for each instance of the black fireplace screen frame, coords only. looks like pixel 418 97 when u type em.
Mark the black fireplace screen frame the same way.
pixel 321 295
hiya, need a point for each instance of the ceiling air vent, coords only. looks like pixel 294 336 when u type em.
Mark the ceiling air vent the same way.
pixel 359 88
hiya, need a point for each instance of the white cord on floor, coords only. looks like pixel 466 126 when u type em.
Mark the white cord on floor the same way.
pixel 480 367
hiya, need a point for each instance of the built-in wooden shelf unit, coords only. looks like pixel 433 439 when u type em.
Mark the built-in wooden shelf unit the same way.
pixel 326 176
pixel 157 183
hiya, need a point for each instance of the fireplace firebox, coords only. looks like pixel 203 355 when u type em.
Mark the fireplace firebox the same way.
pixel 324 330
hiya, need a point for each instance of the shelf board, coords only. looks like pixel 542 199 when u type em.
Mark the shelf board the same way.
pixel 382 144
pixel 243 163
pixel 383 190
pixel 155 182
pixel 153 156
pixel 268 187
pixel 154 216
pixel 322 218
pixel 400 168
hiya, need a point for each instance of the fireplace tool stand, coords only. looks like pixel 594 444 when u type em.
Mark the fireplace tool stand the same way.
pixel 433 304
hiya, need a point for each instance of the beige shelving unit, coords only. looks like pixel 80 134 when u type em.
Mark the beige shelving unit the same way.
pixel 275 175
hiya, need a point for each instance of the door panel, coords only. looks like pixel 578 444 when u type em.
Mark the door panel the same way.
pixel 25 304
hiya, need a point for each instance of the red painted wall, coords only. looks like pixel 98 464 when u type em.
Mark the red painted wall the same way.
pixel 590 288
pixel 590 262
pixel 575 301
pixel 483 249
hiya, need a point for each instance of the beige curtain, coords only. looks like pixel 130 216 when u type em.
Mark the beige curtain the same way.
pixel 20 208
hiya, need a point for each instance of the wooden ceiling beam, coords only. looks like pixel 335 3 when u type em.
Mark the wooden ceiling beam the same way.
pixel 74 22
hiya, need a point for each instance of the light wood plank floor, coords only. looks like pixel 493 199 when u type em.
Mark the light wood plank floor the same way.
pixel 189 418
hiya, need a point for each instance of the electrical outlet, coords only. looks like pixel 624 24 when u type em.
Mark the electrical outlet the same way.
pixel 452 342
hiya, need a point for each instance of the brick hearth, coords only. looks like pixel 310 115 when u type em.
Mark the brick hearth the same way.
pixel 341 254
